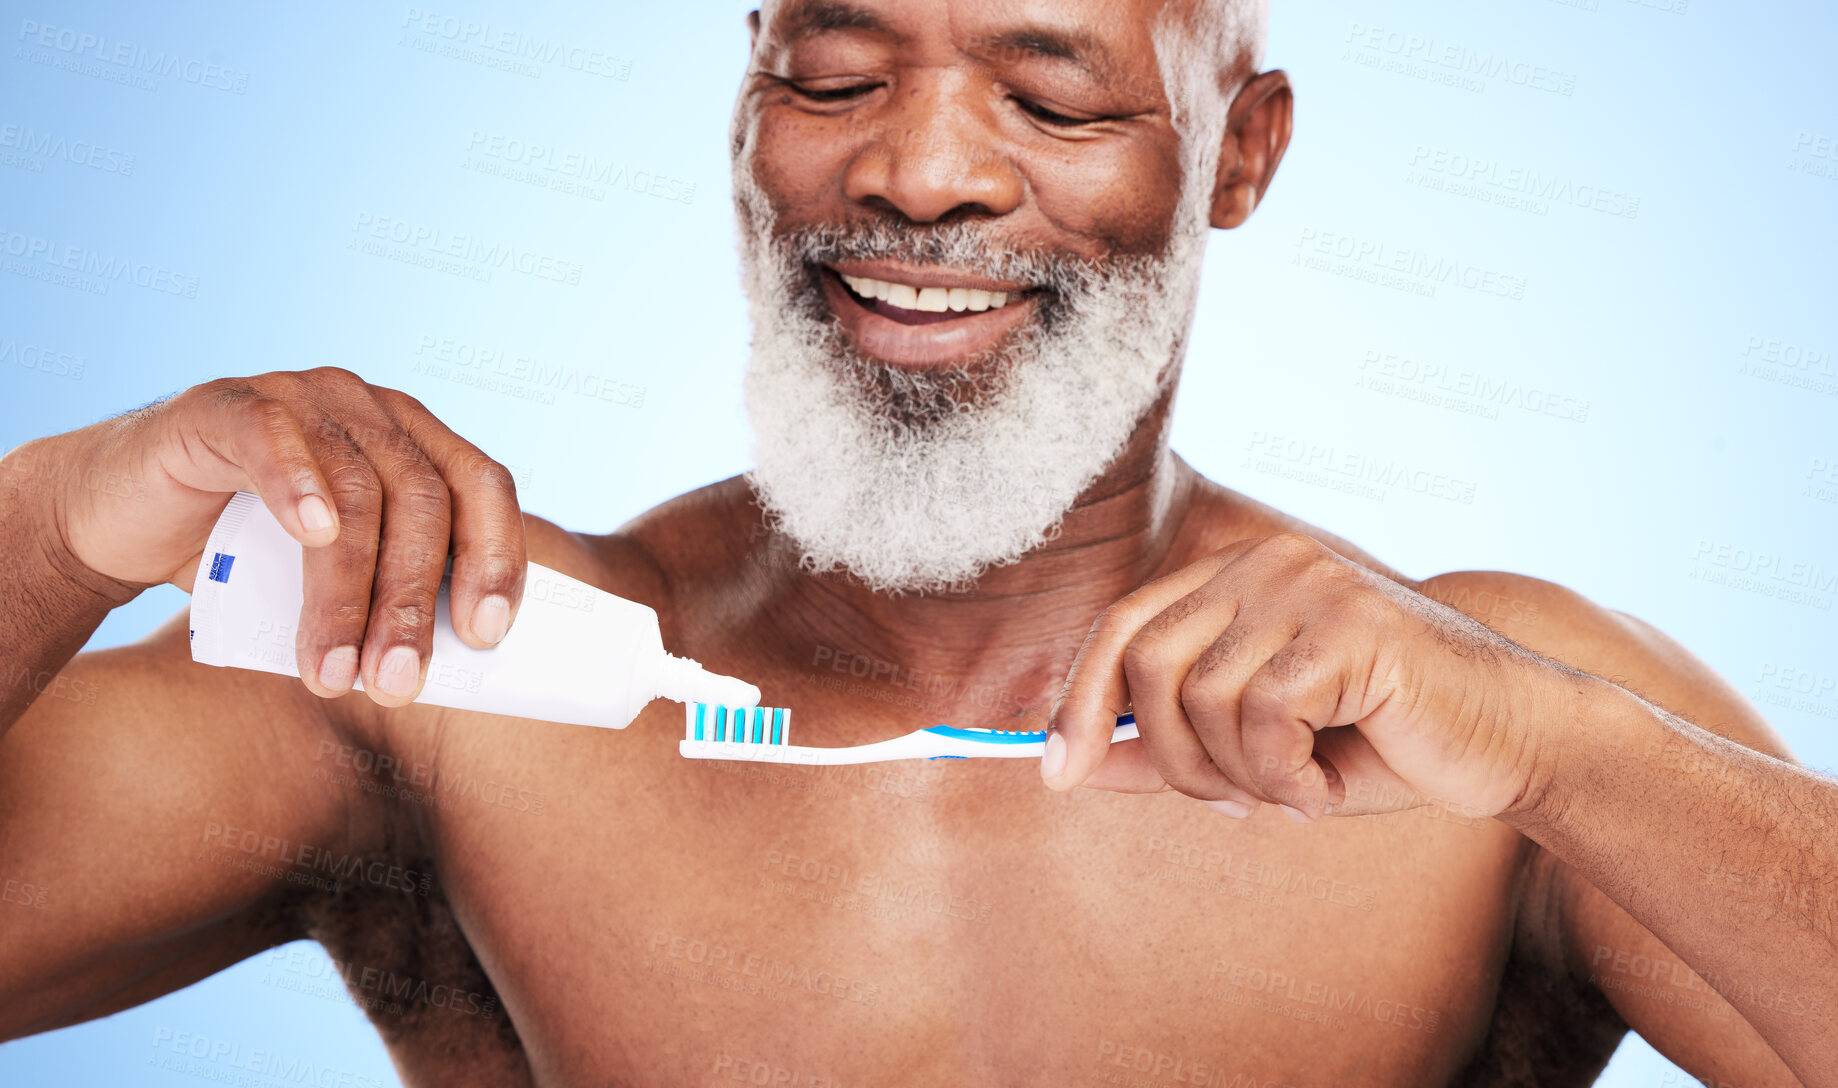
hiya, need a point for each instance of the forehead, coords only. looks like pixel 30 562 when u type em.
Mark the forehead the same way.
pixel 1103 37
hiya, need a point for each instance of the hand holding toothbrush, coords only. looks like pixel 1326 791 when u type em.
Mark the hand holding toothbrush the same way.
pixel 1277 671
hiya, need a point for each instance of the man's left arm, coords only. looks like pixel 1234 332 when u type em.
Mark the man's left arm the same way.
pixel 1704 833
pixel 1701 1023
pixel 1277 671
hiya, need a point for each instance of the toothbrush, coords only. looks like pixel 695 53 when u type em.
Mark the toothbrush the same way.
pixel 762 735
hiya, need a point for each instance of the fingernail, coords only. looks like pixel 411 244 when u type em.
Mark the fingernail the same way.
pixel 315 515
pixel 338 669
pixel 1053 760
pixel 1297 815
pixel 1237 810
pixel 400 672
pixel 491 619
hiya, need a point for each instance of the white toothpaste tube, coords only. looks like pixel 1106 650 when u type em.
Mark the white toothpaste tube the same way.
pixel 575 653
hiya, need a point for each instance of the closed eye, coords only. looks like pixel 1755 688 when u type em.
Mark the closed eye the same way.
pixel 1053 117
pixel 833 94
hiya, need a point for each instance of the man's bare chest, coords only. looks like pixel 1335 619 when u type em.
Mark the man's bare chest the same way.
pixel 951 922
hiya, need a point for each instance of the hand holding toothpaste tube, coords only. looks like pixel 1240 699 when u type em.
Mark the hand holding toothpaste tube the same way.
pixel 365 478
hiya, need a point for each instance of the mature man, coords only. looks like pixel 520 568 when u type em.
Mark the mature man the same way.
pixel 1366 838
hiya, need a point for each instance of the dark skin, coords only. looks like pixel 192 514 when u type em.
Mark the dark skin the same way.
pixel 638 918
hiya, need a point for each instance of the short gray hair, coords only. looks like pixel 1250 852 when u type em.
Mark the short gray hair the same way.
pixel 1207 50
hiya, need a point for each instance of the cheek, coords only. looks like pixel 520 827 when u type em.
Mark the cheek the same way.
pixel 798 161
pixel 1122 196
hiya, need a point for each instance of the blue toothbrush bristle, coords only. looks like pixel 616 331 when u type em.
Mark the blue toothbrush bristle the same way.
pixel 737 725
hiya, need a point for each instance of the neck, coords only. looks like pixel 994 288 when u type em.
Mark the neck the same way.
pixel 999 651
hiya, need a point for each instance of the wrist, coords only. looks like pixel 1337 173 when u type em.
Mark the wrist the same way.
pixel 1580 715
pixel 37 474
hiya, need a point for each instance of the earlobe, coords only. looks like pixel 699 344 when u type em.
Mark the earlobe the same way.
pixel 1256 136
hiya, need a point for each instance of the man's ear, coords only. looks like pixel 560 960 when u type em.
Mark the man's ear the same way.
pixel 1256 135
pixel 752 29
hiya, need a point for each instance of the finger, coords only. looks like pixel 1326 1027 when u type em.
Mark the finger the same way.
pixel 1128 769
pixel 1080 727
pixel 1297 692
pixel 338 579
pixel 411 559
pixel 266 442
pixel 487 526
pixel 1155 665
pixel 1212 690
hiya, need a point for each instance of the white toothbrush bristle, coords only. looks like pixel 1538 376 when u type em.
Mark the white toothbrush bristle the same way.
pixel 761 725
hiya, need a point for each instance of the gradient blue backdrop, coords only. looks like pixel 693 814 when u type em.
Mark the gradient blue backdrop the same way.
pixel 1653 412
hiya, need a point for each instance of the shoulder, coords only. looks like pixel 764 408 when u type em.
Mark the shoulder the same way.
pixel 698 537
pixel 1625 650
pixel 1543 616
pixel 1224 516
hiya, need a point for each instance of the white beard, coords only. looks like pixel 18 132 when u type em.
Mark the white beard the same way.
pixel 920 482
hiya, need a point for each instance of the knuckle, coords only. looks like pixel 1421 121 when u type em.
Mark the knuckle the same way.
pixel 1190 771
pixel 225 392
pixel 1146 661
pixel 412 611
pixel 1216 660
pixel 1174 615
pixel 345 615
pixel 493 476
pixel 496 569
pixel 1266 697
pixel 1204 693
pixel 1122 617
pixel 351 477
pixel 1293 545
pixel 269 416
pixel 1297 667
pixel 334 376
pixel 415 479
pixel 402 403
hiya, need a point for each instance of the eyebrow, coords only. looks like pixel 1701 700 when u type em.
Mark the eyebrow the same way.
pixel 814 17
pixel 1074 46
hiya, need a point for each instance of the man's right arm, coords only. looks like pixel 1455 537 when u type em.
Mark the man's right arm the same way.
pixel 158 817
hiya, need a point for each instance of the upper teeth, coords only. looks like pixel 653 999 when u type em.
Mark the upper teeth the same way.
pixel 935 299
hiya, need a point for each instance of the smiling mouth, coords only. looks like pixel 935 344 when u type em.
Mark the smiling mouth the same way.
pixel 914 305
pixel 944 319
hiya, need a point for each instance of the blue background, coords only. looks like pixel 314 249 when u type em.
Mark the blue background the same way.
pixel 1625 431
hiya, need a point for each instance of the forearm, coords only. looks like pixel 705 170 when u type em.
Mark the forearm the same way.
pixel 52 603
pixel 1728 856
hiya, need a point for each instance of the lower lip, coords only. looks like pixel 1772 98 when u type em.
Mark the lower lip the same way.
pixel 936 343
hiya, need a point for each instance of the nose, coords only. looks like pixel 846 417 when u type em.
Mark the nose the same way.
pixel 933 151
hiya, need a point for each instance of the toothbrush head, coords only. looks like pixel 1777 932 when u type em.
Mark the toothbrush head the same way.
pixel 764 725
